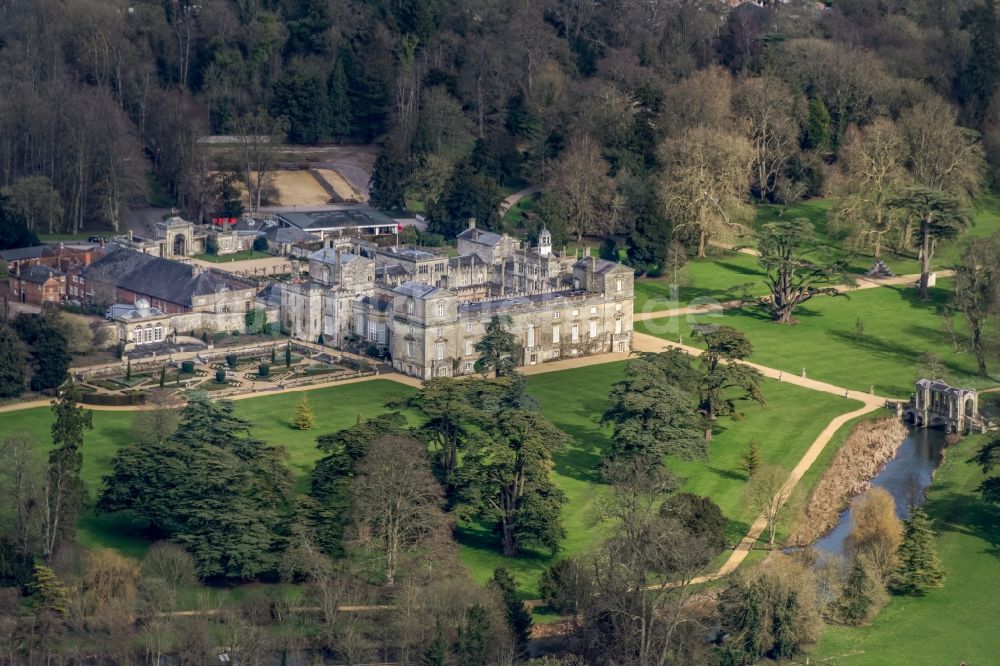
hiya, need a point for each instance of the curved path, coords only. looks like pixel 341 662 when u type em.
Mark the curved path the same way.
pixel 510 200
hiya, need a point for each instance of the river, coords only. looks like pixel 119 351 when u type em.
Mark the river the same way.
pixel 905 477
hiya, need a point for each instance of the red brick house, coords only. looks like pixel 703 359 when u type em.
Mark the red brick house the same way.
pixel 38 284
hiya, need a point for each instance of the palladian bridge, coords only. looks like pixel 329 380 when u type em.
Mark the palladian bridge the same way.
pixel 935 403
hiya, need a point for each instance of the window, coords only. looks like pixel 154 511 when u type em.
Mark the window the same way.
pixel 158 332
pixel 439 331
pixel 593 328
pixel 247 306
pixel 618 284
pixel 409 349
pixel 409 307
pixel 555 315
pixel 468 328
pixel 149 332
pixel 468 347
pixel 440 308
pixel 439 351
pixel 531 335
pixel 372 332
pixel 555 333
pixel 576 332
pixel 593 310
pixel 618 326
pixel 576 313
pixel 138 335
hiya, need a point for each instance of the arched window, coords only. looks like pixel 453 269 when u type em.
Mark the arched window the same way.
pixel 158 332
pixel 149 332
pixel 138 335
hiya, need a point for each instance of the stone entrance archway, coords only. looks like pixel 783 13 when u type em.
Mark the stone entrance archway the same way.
pixel 180 245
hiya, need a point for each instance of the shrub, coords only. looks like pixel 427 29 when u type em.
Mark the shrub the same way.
pixel 231 361
pixel 170 563
pixel 564 585
pixel 220 376
pixel 264 370
pixel 187 367
pixel 260 244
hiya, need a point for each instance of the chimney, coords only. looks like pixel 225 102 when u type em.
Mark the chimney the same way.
pixel 472 223
pixel 130 235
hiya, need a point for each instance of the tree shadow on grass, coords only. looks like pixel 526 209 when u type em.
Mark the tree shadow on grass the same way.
pixel 726 473
pixel 742 270
pixel 582 458
pixel 966 514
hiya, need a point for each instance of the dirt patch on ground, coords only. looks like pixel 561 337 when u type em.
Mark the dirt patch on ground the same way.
pixel 339 185
pixel 869 446
pixel 299 188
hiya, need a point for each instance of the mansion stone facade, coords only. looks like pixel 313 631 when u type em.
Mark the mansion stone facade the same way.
pixel 428 310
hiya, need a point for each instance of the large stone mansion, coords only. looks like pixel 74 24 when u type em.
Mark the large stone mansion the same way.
pixel 428 309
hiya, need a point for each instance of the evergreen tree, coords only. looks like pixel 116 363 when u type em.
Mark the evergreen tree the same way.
pixel 48 592
pixel 14 231
pixel 817 135
pixel 436 653
pixel 50 357
pixel 653 411
pixel 475 636
pixel 979 81
pixel 467 194
pixel 13 357
pixel 861 597
pixel 220 493
pixel 300 95
pixel 304 417
pixel 518 617
pixel 273 355
pixel 339 104
pixel 128 370
pixel 505 479
pixel 65 493
pixel 288 355
pixel 919 565
pixel 387 189
pixel 163 375
pixel 751 461
pixel 498 348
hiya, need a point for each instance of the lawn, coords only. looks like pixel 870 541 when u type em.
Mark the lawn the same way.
pixel 717 277
pixel 947 625
pixel 898 329
pixel 335 408
pixel 575 399
pixel 515 219
pixel 236 256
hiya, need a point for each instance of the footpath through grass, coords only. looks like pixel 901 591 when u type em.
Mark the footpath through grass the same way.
pixel 954 623
pixel 898 330
pixel 574 401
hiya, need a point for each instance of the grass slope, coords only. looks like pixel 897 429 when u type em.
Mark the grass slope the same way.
pixel 947 625
pixel 898 330
pixel 335 408
pixel 574 401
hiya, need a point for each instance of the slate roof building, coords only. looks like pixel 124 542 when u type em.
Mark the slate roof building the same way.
pixel 125 276
pixel 355 221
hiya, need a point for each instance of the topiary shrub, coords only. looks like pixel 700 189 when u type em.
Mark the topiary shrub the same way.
pixel 187 367
pixel 264 370
pixel 220 376
pixel 231 361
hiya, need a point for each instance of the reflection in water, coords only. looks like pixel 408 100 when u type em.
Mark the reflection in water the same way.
pixel 905 477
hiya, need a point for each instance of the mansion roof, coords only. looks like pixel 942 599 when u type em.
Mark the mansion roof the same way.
pixel 420 290
pixel 163 279
pixel 474 235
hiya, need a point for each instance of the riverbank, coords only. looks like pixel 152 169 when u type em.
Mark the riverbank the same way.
pixel 869 446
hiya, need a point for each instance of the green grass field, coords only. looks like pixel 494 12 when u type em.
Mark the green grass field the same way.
pixel 514 218
pixel 898 330
pixel 715 277
pixel 950 624
pixel 574 401
pixel 236 256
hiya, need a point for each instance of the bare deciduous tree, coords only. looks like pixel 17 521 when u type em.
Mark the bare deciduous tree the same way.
pixel 398 504
pixel 767 493
pixel 705 184
pixel 258 137
pixel 580 180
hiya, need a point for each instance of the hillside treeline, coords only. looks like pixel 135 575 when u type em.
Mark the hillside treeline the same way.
pixel 607 104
